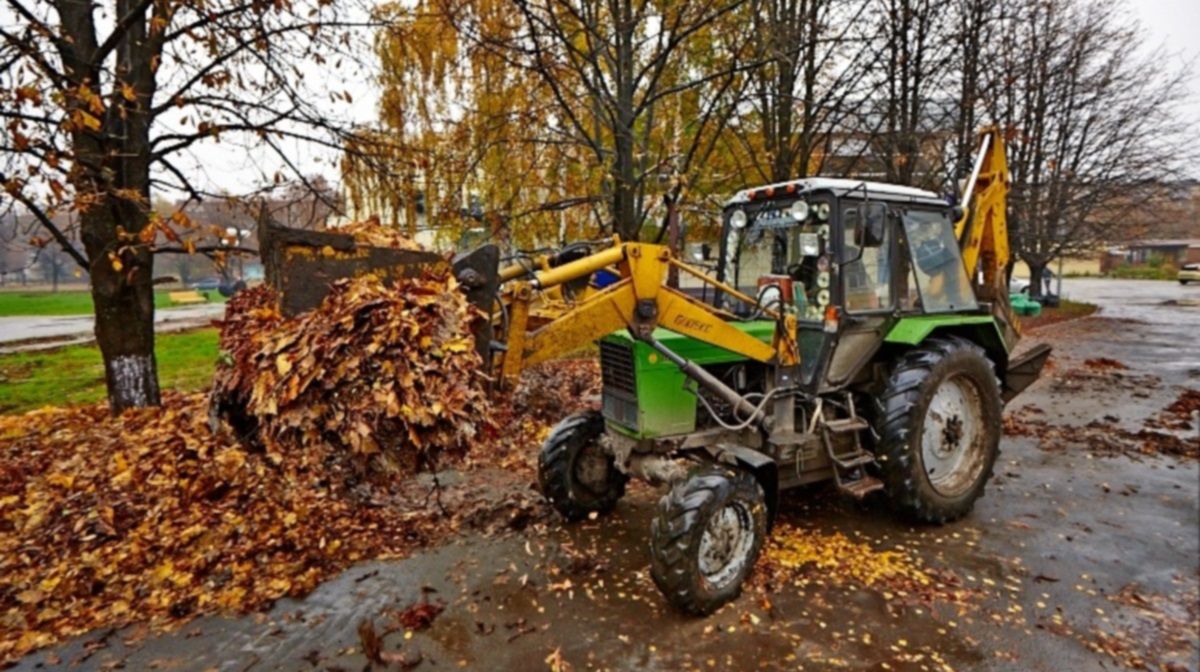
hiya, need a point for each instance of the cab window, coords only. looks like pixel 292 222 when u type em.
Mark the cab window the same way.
pixel 937 263
pixel 866 282
pixel 754 253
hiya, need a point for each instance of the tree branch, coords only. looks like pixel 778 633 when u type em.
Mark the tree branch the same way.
pixel 118 31
pixel 49 225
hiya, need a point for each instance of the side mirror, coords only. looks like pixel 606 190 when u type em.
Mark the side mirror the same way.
pixel 869 229
pixel 705 251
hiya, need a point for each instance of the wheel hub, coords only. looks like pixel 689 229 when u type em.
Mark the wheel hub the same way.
pixel 952 435
pixel 591 468
pixel 726 543
pixel 952 443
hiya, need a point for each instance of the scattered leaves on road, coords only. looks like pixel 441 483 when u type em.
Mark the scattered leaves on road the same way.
pixel 1167 433
pixel 806 557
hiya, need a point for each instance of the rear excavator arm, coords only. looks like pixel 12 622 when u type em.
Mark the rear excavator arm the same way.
pixel 640 301
pixel 982 231
pixel 983 238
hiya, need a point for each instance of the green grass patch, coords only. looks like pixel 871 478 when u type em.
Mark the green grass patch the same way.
pixel 1143 272
pixel 75 374
pixel 71 302
pixel 1066 310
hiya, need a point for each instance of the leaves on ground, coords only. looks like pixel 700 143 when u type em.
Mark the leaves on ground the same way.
pixel 1104 364
pixel 105 520
pixel 420 615
pixel 1169 432
pixel 151 516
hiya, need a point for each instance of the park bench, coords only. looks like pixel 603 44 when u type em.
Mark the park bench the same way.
pixel 187 297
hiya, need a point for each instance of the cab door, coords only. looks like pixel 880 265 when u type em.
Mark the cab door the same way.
pixel 866 291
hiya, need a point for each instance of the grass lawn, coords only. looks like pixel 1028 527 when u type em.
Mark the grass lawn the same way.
pixel 70 302
pixel 1066 310
pixel 75 374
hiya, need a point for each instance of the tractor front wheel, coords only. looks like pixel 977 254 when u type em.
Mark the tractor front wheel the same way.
pixel 706 536
pixel 939 429
pixel 576 474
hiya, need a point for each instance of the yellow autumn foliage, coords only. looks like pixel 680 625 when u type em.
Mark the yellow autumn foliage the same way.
pixel 836 558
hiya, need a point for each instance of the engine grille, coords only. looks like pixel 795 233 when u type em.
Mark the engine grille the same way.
pixel 619 378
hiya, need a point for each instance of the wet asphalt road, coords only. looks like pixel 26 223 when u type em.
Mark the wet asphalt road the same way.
pixel 1168 335
pixel 1058 534
pixel 30 332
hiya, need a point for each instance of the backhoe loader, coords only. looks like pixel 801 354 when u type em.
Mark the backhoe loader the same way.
pixel 855 332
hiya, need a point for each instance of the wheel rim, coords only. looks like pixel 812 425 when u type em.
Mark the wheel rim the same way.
pixel 952 439
pixel 591 468
pixel 726 543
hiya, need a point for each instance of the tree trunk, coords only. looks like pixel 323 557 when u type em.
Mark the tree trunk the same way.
pixel 627 219
pixel 1035 278
pixel 124 305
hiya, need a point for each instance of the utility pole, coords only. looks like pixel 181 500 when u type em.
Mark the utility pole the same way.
pixel 1058 289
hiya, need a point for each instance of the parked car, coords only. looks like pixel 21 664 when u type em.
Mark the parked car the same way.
pixel 228 289
pixel 1189 273
pixel 207 284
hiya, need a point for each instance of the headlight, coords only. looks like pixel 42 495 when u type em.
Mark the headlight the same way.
pixel 738 219
pixel 799 210
pixel 823 212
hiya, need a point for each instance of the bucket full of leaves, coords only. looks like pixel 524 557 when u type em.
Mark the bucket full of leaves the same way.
pixel 387 372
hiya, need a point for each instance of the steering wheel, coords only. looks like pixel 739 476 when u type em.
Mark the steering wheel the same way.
pixel 798 270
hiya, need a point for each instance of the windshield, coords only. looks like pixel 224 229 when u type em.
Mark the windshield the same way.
pixel 774 243
pixel 750 255
pixel 937 264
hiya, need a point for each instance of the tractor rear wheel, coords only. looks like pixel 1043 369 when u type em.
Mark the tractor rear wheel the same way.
pixel 576 474
pixel 939 429
pixel 706 536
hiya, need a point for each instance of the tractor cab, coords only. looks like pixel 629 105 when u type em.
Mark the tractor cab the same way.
pixel 848 259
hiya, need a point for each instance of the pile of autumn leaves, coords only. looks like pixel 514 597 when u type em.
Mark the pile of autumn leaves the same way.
pixel 164 513
pixel 385 372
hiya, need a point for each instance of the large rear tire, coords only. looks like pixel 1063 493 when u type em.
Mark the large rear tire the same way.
pixel 575 473
pixel 706 537
pixel 940 429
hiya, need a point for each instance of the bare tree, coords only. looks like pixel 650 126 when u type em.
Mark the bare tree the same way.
pixel 100 100
pixel 973 35
pixel 813 57
pixel 1094 121
pixel 304 204
pixel 912 91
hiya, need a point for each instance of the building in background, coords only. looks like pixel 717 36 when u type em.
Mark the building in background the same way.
pixel 1173 252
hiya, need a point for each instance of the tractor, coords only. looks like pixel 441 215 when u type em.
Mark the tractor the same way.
pixel 904 365
pixel 851 332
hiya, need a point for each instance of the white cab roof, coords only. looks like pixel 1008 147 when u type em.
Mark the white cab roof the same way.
pixel 837 184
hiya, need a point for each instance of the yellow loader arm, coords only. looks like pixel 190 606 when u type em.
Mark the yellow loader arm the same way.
pixel 640 301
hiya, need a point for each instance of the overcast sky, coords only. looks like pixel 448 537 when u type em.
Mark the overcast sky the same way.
pixel 1173 25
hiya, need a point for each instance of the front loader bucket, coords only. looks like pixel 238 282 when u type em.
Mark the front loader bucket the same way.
pixel 1023 370
pixel 301 265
